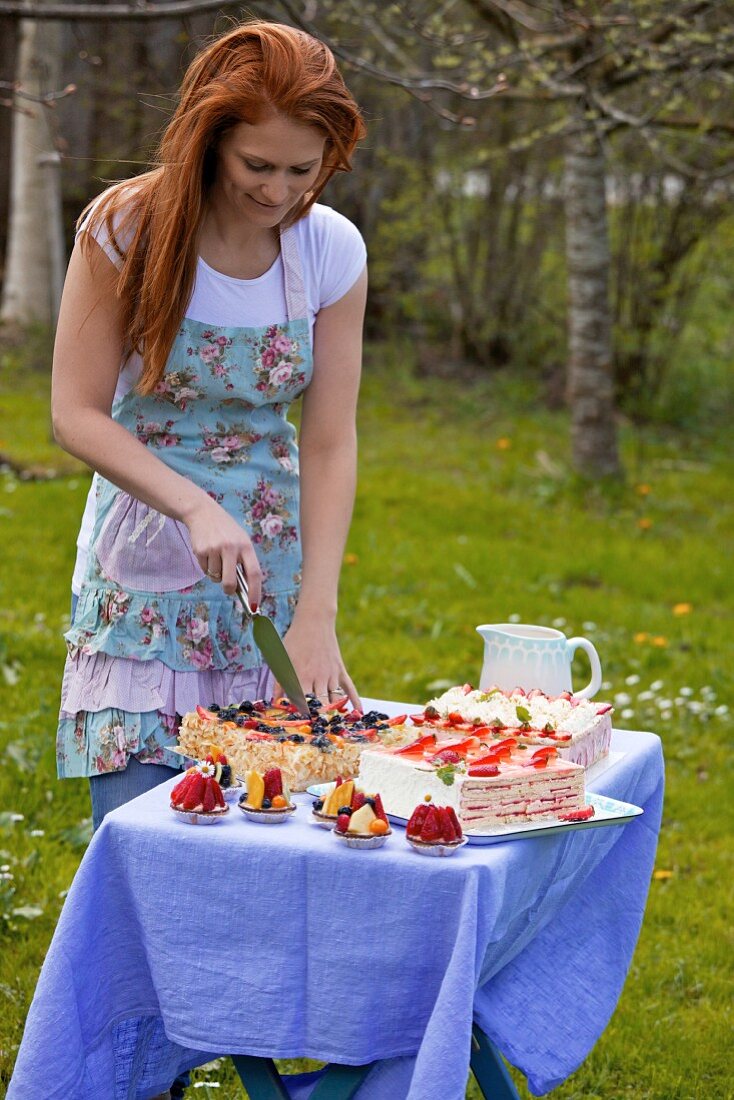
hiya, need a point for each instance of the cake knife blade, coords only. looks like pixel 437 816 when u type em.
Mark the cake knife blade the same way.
pixel 271 646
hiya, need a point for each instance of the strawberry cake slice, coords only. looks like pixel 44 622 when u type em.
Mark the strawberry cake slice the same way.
pixel 509 783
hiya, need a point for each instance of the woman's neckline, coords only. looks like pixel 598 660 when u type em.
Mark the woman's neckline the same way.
pixel 232 278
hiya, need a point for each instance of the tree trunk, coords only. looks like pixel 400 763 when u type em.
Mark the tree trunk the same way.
pixel 8 51
pixel 28 291
pixel 590 383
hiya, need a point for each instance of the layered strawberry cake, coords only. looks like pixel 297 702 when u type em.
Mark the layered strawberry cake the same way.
pixel 580 729
pixel 507 784
pixel 259 736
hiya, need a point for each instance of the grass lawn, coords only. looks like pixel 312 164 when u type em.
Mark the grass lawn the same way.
pixel 466 513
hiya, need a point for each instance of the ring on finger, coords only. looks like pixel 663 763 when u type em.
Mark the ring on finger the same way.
pixel 214 576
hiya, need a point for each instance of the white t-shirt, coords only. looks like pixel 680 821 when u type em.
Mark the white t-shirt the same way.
pixel 333 255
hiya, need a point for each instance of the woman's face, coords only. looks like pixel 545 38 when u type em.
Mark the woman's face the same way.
pixel 264 169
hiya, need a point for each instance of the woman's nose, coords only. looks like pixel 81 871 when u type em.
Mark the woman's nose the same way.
pixel 275 190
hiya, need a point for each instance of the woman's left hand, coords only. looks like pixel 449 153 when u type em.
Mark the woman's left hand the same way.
pixel 314 650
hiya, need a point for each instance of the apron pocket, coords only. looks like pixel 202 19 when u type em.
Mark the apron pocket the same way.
pixel 141 549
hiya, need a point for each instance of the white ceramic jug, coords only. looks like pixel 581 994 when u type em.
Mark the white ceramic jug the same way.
pixel 520 655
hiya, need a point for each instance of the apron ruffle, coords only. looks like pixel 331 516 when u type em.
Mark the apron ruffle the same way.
pixel 188 633
pixel 97 682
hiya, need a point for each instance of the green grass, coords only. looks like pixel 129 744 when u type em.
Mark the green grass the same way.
pixel 452 528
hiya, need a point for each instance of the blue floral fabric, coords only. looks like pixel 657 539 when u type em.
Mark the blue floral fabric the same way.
pixel 218 417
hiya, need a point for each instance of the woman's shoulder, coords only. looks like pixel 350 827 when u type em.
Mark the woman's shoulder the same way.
pixel 110 218
pixel 324 228
pixel 333 254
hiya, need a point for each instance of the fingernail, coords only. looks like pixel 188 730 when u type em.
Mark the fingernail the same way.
pixel 254 606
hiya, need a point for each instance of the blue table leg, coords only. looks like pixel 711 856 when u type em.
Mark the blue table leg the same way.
pixel 262 1080
pixel 489 1069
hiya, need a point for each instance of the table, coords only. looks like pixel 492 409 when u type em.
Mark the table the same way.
pixel 177 944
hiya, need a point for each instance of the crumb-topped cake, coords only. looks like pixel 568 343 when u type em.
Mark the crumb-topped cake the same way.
pixel 258 736
pixel 511 783
pixel 580 729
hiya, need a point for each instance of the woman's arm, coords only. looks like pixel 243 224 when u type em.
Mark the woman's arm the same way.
pixel 328 466
pixel 87 355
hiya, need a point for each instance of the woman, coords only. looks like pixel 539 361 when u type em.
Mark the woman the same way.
pixel 201 298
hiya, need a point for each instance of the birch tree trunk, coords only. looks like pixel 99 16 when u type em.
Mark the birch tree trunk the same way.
pixel 590 383
pixel 28 286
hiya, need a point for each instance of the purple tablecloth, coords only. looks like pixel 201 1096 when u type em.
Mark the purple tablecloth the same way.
pixel 177 944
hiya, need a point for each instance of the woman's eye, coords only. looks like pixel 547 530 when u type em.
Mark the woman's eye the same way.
pixel 300 171
pixel 256 167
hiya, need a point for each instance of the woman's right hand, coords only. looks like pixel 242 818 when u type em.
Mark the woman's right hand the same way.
pixel 220 544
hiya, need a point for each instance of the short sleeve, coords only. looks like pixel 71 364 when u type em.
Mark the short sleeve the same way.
pixel 335 252
pixel 102 236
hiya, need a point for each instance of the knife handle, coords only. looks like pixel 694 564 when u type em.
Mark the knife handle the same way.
pixel 243 591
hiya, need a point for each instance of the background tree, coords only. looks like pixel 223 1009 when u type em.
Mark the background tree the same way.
pixel 463 213
pixel 592 70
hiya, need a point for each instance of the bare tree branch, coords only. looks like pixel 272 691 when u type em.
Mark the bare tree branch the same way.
pixel 138 10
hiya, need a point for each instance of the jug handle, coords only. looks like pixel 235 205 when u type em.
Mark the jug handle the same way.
pixel 594 683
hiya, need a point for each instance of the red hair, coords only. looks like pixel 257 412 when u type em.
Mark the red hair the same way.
pixel 245 75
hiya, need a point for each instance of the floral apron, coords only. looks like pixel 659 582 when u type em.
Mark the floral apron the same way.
pixel 152 634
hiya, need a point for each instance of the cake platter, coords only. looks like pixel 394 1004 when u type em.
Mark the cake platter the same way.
pixel 607 811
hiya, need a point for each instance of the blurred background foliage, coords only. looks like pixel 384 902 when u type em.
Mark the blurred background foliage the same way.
pixel 464 223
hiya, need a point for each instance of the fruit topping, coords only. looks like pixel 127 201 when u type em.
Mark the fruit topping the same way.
pixel 417 818
pixel 578 815
pixel 342 822
pixel 198 792
pixel 360 820
pixel 255 790
pixel 272 782
pixel 446 756
pixel 484 769
pixel 278 802
pixel 434 825
pixel 378 827
pixel 417 748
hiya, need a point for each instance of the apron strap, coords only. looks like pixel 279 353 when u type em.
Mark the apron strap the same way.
pixel 295 291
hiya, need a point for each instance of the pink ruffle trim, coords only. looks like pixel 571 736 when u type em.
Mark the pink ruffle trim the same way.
pixel 96 681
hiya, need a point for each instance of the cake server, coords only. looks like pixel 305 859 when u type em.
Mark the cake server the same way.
pixel 271 646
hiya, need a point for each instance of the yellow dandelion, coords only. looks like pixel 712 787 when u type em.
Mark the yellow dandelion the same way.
pixel 644 523
pixel 641 638
pixel 504 444
pixel 643 490
pixel 350 559
pixel 682 608
pixel 660 641
pixel 661 875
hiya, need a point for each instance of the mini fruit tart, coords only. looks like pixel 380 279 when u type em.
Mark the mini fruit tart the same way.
pixel 198 797
pixel 434 830
pixel 363 827
pixel 267 798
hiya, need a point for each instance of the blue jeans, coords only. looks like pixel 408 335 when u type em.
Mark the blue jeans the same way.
pixel 113 789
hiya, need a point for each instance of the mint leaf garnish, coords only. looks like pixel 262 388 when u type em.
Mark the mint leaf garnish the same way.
pixel 523 714
pixel 446 774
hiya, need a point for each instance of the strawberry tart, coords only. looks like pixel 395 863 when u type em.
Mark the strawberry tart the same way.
pixel 434 830
pixel 508 783
pixel 198 796
pixel 580 729
pixel 258 736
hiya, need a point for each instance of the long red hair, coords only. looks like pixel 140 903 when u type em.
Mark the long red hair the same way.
pixel 257 68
